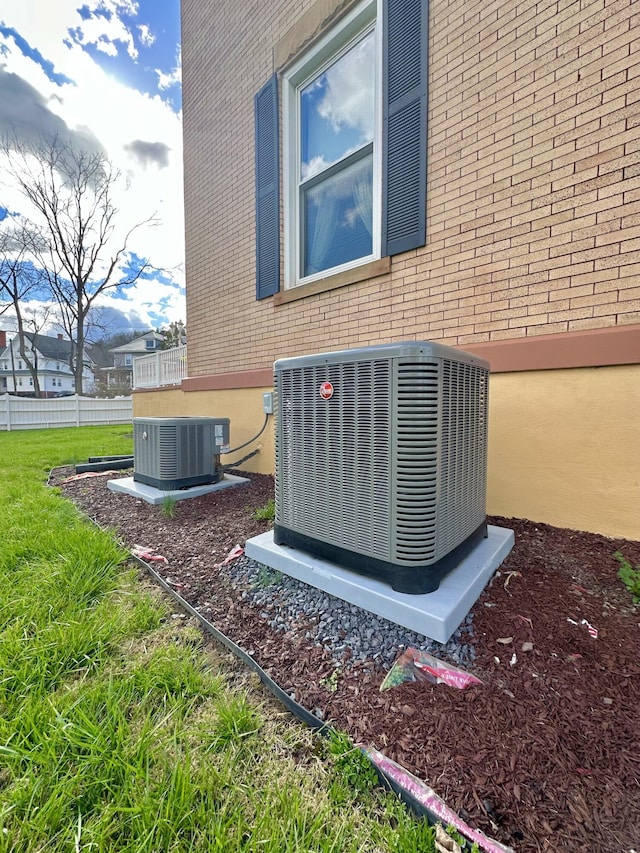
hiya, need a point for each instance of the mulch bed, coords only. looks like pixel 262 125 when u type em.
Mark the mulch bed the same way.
pixel 542 756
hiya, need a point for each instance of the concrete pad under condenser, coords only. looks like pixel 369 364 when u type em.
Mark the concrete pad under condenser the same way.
pixel 151 495
pixel 435 614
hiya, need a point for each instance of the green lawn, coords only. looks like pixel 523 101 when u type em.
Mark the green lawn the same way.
pixel 121 729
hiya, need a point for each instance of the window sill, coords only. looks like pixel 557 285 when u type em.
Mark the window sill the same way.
pixel 332 282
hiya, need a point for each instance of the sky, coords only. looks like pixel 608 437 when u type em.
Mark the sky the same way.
pixel 106 74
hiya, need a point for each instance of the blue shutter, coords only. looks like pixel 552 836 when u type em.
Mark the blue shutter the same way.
pixel 267 190
pixel 404 135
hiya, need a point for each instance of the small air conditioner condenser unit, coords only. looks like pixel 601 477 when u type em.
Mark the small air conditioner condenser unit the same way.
pixel 174 453
pixel 381 459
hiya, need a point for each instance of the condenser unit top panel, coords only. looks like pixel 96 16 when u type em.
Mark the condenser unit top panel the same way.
pixel 181 421
pixel 404 349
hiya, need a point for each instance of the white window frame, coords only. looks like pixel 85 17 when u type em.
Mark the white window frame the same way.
pixel 364 16
pixel 128 360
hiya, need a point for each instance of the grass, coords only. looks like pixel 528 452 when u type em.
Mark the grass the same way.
pixel 266 512
pixel 629 575
pixel 267 576
pixel 122 730
pixel 169 504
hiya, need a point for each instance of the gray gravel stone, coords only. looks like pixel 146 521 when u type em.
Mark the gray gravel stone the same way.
pixel 343 628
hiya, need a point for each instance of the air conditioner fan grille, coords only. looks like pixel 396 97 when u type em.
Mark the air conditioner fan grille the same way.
pixel 462 505
pixel 333 456
pixel 415 481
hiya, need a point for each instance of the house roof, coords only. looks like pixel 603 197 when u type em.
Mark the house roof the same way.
pixel 139 345
pixel 56 349
pixel 99 356
pixel 49 347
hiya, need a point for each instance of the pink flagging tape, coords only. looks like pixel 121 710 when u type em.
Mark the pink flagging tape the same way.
pixel 431 801
pixel 147 554
pixel 234 553
pixel 89 474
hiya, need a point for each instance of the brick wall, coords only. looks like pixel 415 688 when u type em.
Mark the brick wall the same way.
pixel 533 212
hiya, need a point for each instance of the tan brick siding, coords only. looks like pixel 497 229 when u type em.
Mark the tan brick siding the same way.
pixel 533 211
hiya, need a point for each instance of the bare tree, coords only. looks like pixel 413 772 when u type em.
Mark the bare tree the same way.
pixel 18 280
pixel 77 241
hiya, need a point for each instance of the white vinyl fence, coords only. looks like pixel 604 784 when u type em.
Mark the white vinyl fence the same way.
pixel 31 413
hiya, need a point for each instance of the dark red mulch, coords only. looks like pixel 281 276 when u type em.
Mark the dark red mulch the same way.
pixel 542 756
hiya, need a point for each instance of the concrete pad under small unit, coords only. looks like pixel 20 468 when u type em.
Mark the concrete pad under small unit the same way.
pixel 435 615
pixel 156 496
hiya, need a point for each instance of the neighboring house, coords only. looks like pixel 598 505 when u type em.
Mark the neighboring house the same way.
pixel 121 372
pixel 102 362
pixel 508 224
pixel 50 356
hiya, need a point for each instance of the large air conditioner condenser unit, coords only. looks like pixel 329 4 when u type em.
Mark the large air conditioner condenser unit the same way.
pixel 174 453
pixel 381 459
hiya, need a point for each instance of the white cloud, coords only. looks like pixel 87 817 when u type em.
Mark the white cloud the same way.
pixel 174 77
pixel 146 36
pixel 104 35
pixel 105 46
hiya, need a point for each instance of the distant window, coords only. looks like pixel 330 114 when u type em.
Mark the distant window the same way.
pixel 150 344
pixel 31 382
pixel 128 360
pixel 57 367
pixel 20 367
pixel 20 382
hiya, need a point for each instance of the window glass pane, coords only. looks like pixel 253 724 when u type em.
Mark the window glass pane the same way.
pixel 337 109
pixel 338 217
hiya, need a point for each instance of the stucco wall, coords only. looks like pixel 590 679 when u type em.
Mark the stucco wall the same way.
pixel 564 448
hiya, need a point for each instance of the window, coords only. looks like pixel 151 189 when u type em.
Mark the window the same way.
pixel 128 360
pixel 332 152
pixel 354 111
pixel 150 344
